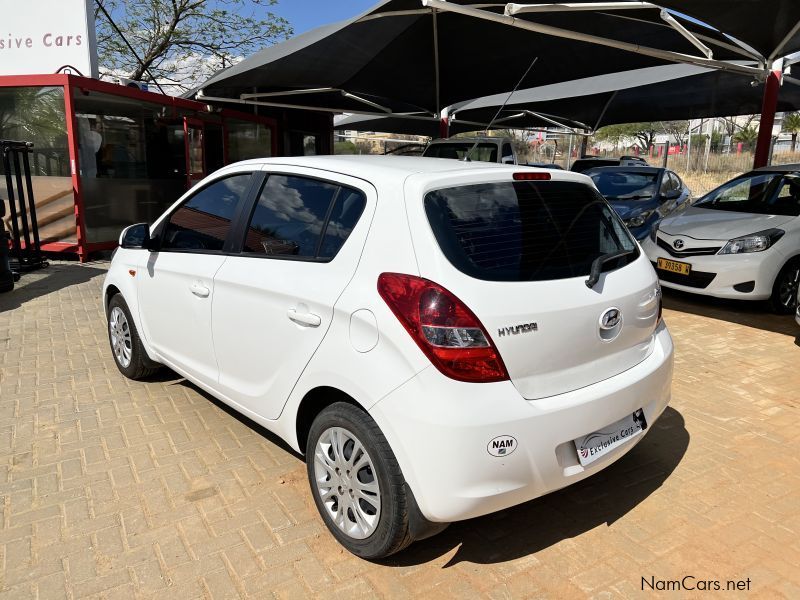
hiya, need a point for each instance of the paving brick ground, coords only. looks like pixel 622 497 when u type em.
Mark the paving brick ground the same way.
pixel 114 489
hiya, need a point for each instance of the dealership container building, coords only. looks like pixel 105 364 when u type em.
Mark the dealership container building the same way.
pixel 107 155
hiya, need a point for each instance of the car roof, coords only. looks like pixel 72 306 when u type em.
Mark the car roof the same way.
pixel 394 167
pixel 790 168
pixel 631 168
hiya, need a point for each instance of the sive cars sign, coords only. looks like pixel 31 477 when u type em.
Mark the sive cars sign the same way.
pixel 41 36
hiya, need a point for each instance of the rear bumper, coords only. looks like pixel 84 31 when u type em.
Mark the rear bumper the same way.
pixel 439 430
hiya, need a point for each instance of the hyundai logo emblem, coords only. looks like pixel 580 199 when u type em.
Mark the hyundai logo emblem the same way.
pixel 610 319
pixel 678 244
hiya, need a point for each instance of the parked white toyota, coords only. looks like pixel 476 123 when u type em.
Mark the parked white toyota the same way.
pixel 440 339
pixel 741 240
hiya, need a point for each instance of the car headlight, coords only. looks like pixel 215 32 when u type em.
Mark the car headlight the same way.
pixel 639 219
pixel 755 242
pixel 654 231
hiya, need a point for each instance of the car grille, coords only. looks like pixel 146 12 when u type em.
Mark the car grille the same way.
pixel 688 252
pixel 697 279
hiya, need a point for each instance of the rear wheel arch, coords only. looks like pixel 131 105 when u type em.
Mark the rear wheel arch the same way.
pixel 314 402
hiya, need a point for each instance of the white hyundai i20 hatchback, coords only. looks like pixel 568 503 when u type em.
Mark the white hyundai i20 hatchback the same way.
pixel 441 339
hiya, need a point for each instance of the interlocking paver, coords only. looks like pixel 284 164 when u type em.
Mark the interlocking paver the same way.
pixel 111 488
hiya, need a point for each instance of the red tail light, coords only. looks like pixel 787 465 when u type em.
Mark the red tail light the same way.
pixel 448 332
pixel 531 176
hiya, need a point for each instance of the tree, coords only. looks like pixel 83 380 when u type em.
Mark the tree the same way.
pixel 643 134
pixel 791 123
pixel 747 137
pixel 182 42
pixel 344 147
pixel 678 130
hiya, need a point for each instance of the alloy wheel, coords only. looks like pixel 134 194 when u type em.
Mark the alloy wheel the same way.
pixel 121 341
pixel 788 290
pixel 347 483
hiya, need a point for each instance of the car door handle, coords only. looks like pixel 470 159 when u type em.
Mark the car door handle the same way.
pixel 199 290
pixel 304 318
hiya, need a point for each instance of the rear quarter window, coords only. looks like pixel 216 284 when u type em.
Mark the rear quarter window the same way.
pixel 526 230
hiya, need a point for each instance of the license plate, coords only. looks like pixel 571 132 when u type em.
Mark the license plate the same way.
pixel 595 445
pixel 674 266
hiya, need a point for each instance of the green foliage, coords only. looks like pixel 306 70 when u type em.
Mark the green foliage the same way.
pixel 182 42
pixel 344 147
pixel 699 141
pixel 791 123
pixel 642 134
pixel 746 136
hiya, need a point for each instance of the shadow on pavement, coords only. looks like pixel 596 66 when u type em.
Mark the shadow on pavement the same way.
pixel 741 312
pixel 598 500
pixel 167 375
pixel 46 281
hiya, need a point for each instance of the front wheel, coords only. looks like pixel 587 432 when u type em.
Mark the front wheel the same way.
pixel 356 482
pixel 126 346
pixel 785 289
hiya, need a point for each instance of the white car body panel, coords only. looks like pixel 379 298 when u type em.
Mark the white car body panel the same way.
pixel 437 427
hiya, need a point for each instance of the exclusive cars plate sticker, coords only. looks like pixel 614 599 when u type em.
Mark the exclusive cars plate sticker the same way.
pixel 595 445
pixel 502 445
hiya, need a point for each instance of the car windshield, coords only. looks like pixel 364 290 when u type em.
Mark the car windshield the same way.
pixel 760 193
pixel 458 150
pixel 526 230
pixel 625 185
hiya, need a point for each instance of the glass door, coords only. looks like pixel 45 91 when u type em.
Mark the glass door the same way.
pixel 194 130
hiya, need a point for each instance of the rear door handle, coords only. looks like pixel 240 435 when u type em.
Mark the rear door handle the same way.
pixel 199 290
pixel 304 318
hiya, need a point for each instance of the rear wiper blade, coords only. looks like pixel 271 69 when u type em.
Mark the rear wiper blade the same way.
pixel 597 265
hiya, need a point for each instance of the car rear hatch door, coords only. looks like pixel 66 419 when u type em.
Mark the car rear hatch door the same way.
pixel 518 254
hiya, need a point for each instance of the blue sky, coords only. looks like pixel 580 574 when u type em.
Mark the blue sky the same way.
pixel 308 14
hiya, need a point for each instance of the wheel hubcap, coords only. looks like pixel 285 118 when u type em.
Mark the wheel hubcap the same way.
pixel 121 342
pixel 788 288
pixel 346 483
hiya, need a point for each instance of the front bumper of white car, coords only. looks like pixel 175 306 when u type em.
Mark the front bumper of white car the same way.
pixel 739 276
pixel 440 431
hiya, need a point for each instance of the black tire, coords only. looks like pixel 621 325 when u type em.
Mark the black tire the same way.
pixel 784 291
pixel 392 532
pixel 6 284
pixel 139 365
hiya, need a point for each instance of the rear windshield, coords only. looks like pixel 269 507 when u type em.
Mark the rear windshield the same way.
pixel 624 185
pixel 458 150
pixel 526 230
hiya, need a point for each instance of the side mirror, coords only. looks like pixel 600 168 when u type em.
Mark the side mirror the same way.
pixel 137 237
pixel 507 160
pixel 671 195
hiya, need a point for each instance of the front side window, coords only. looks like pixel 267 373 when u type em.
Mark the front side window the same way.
pixel 302 218
pixel 204 220
pixel 762 193
pixel 526 230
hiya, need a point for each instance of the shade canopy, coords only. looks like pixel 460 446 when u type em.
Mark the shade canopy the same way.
pixel 403 56
pixel 670 92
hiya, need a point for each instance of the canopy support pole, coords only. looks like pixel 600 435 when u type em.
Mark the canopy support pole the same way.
pixel 438 106
pixel 678 57
pixel 768 107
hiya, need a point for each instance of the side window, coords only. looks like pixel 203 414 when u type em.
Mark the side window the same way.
pixel 344 216
pixel 204 220
pixel 507 150
pixel 666 183
pixel 676 181
pixel 294 217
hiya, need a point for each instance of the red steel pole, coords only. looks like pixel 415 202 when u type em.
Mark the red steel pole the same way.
pixel 768 107
pixel 444 127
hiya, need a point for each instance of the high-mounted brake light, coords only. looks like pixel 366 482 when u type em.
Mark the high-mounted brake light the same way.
pixel 444 328
pixel 531 176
